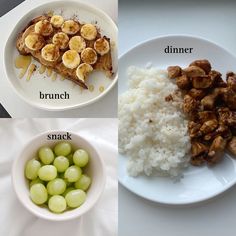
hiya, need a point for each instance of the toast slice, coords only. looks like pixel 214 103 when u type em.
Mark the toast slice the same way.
pixel 41 38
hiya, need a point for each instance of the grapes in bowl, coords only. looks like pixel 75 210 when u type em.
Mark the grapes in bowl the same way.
pixel 58 179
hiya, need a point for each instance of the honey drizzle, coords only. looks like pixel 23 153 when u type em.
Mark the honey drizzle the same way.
pixel 22 62
pixel 49 72
pixel 101 89
pixel 91 88
pixel 42 69
pixel 30 71
pixel 54 76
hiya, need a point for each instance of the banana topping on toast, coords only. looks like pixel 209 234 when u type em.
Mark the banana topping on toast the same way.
pixel 71 59
pixel 88 31
pixel 57 21
pixel 89 56
pixel 61 40
pixel 68 47
pixel 34 41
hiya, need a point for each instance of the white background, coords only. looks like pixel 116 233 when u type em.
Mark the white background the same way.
pixel 101 220
pixel 139 21
pixel 105 107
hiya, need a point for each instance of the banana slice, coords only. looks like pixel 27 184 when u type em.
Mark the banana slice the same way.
pixel 89 56
pixel 57 21
pixel 88 31
pixel 34 41
pixel 83 70
pixel 102 46
pixel 50 52
pixel 77 43
pixel 43 27
pixel 71 59
pixel 70 27
pixel 61 40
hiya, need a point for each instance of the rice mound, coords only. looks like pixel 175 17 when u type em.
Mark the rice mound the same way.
pixel 152 132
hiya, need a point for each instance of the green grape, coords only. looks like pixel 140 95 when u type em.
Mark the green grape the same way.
pixel 47 172
pixel 57 204
pixel 56 186
pixel 83 182
pixel 46 155
pixel 61 163
pixel 62 149
pixel 72 174
pixel 31 169
pixel 75 198
pixel 67 191
pixel 38 194
pixel 70 158
pixel 81 158
pixel 36 181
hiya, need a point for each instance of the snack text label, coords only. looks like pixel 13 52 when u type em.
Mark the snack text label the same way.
pixel 66 136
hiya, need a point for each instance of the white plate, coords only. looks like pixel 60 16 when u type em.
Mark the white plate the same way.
pixel 29 90
pixel 198 183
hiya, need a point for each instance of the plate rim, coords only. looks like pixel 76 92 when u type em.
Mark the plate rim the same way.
pixel 120 180
pixel 65 107
pixel 192 36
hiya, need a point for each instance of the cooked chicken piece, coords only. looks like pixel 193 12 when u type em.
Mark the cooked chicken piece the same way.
pixel 229 97
pixel 183 82
pixel 199 152
pixel 202 82
pixel 174 72
pixel 193 71
pixel 190 104
pixel 194 129
pixel 216 78
pixel 219 91
pixel 208 101
pixel 216 150
pixel 232 146
pixel 199 160
pixel 223 115
pixel 206 115
pixel 222 131
pixel 215 75
pixel 226 116
pixel 203 64
pixel 232 119
pixel 228 74
pixel 197 93
pixel 209 126
pixel 231 82
pixel 198 148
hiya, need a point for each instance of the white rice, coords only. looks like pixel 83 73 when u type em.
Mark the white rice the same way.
pixel 152 132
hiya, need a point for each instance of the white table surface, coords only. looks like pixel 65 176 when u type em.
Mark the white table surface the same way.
pixel 105 107
pixel 139 21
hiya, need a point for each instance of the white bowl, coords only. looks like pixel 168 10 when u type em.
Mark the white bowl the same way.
pixel 29 90
pixel 95 169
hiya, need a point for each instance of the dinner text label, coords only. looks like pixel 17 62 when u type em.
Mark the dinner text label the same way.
pixel 171 49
